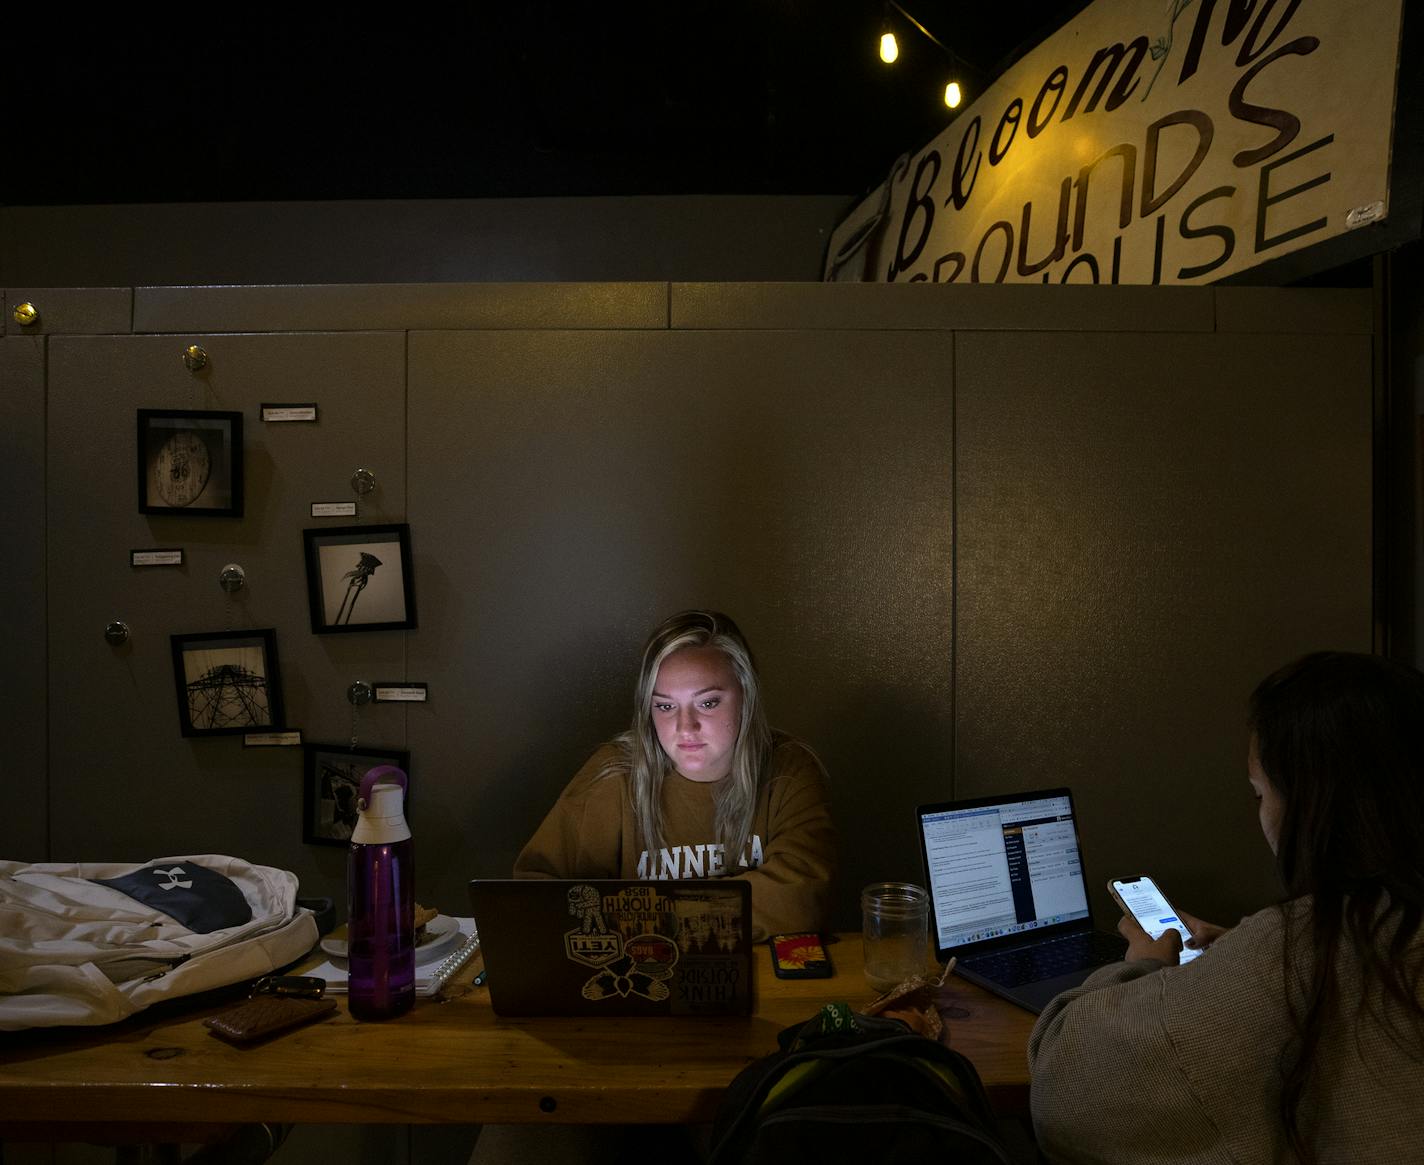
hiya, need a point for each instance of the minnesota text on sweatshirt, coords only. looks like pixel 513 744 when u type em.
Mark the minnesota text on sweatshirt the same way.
pixel 592 832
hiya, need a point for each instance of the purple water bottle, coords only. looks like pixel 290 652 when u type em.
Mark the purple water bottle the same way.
pixel 380 900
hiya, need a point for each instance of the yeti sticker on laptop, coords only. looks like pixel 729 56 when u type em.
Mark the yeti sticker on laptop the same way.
pixel 591 942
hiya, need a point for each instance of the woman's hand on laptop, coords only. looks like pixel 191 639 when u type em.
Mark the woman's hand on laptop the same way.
pixel 1166 949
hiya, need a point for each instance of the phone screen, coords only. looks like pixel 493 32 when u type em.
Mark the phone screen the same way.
pixel 1153 912
pixel 799 956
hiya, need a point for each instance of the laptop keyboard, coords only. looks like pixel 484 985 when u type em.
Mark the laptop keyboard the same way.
pixel 1048 960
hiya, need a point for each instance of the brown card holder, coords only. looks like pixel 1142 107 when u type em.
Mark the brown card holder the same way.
pixel 266 1015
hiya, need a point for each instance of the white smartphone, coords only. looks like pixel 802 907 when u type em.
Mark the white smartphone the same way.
pixel 1141 898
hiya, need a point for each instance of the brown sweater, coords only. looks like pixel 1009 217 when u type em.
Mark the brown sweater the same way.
pixel 592 832
pixel 1169 1065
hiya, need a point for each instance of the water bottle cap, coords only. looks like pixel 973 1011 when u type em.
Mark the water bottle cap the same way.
pixel 387 801
pixel 382 819
pixel 384 774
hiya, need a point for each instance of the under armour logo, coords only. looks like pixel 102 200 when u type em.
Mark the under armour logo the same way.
pixel 173 883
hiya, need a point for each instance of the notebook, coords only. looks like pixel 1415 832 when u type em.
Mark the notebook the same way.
pixel 1008 898
pixel 432 971
pixel 605 947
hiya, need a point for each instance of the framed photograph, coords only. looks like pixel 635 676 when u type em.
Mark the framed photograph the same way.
pixel 190 462
pixel 359 578
pixel 227 682
pixel 333 781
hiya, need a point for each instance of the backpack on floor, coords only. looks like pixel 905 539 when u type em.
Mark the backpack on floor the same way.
pixel 846 1086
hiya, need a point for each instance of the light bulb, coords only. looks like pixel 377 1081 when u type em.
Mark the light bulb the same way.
pixel 952 95
pixel 889 50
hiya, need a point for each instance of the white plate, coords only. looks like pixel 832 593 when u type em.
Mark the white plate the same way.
pixel 440 933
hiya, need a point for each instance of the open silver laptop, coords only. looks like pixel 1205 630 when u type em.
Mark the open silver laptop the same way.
pixel 1008 897
pixel 603 947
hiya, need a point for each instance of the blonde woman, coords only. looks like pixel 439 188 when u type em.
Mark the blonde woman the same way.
pixel 698 787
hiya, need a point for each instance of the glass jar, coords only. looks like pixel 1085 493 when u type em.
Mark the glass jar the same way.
pixel 895 918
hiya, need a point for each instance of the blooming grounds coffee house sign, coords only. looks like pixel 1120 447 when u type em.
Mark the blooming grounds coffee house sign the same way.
pixel 1148 141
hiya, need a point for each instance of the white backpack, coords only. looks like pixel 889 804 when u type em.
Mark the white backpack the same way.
pixel 75 951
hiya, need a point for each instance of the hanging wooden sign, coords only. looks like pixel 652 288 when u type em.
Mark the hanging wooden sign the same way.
pixel 1148 142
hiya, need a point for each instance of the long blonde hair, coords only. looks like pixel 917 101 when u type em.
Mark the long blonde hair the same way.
pixel 641 753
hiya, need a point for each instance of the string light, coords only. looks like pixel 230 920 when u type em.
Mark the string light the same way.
pixel 890 51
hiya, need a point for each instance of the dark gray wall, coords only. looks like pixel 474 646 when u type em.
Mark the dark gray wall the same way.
pixel 432 240
pixel 982 538
pixel 23 688
pixel 1140 537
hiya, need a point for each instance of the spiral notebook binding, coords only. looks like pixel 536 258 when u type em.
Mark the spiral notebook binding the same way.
pixel 452 963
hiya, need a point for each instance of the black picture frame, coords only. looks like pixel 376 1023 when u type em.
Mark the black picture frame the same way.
pixel 190 462
pixel 332 779
pixel 359 578
pixel 227 682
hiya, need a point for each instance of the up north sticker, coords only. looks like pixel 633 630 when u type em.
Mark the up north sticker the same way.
pixel 638 910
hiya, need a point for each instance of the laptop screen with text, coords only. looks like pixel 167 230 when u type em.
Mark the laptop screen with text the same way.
pixel 1002 868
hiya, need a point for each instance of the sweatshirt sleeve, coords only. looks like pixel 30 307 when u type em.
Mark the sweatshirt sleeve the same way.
pixel 792 885
pixel 581 835
pixel 1117 1063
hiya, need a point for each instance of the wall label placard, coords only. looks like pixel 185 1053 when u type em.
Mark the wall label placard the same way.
pixel 1147 143
pixel 288 739
pixel 166 557
pixel 273 413
pixel 401 693
pixel 333 509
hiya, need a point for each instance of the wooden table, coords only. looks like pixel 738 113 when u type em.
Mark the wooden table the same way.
pixel 452 1061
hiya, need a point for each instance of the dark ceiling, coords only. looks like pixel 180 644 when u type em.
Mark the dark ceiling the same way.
pixel 526 98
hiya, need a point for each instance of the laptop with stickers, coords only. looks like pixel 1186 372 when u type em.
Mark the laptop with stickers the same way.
pixel 606 947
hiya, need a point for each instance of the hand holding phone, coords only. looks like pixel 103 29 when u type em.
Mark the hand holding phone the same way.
pixel 1140 898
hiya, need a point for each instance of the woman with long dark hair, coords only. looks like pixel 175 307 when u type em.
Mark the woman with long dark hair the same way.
pixel 1299 1035
pixel 698 787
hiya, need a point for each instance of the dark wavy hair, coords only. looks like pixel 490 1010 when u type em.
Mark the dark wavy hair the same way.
pixel 1341 736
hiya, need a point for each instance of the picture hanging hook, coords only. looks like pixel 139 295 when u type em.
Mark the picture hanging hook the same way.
pixel 232 578
pixel 358 693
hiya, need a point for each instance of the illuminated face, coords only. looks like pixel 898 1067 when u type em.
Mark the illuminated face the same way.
pixel 1271 806
pixel 697 705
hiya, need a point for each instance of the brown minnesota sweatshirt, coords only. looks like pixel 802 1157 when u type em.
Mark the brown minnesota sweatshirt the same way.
pixel 592 832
